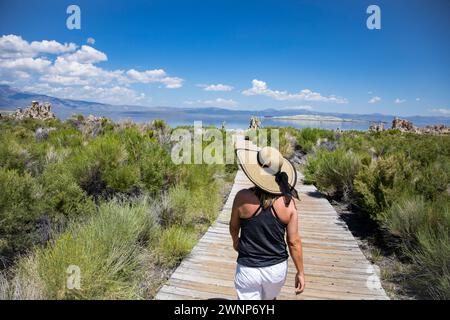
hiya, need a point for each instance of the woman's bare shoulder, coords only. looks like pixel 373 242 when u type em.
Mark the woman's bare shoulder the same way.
pixel 245 196
pixel 245 203
pixel 281 207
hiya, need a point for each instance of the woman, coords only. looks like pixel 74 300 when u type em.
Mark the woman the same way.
pixel 264 215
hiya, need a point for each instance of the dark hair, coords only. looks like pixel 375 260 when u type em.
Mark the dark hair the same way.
pixel 287 191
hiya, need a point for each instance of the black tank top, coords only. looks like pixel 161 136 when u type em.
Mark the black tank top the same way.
pixel 262 243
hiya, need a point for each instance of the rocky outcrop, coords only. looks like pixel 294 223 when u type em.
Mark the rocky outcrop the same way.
pixel 94 120
pixel 403 125
pixel 35 111
pixel 436 129
pixel 407 126
pixel 377 127
pixel 255 123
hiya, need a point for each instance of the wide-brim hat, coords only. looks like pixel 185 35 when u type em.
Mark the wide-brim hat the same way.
pixel 263 167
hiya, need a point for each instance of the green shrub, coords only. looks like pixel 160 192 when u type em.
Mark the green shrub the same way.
pixel 307 138
pixel 121 162
pixel 377 186
pixel 64 199
pixel 159 124
pixel 434 179
pixel 405 217
pixel 205 204
pixel 202 181
pixel 199 176
pixel 37 158
pixel 185 207
pixel 160 130
pixel 122 178
pixel 22 282
pixel 65 138
pixel 51 187
pixel 103 164
pixel 20 207
pixel 158 172
pixel 107 251
pixel 175 208
pixel 286 145
pixel 431 261
pixel 426 149
pixel 402 184
pixel 12 155
pixel 334 172
pixel 133 140
pixel 358 140
pixel 171 245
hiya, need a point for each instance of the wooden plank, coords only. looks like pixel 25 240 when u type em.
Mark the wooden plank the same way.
pixel 335 284
pixel 352 272
pixel 208 281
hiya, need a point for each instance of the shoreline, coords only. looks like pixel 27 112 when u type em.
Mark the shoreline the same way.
pixel 320 119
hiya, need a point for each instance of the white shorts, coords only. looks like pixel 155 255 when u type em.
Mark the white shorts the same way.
pixel 260 283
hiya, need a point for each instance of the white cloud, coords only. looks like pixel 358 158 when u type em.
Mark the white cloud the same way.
pixel 63 80
pixel 22 69
pixel 51 47
pixel 12 46
pixel 90 41
pixel 86 54
pixel 152 76
pixel 25 64
pixel 71 72
pixel 375 99
pixel 398 101
pixel 442 111
pixel 417 99
pixel 146 76
pixel 112 95
pixel 85 73
pixel 11 77
pixel 219 102
pixel 216 87
pixel 172 82
pixel 260 88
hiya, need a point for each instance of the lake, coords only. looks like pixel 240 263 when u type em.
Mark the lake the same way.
pixel 234 121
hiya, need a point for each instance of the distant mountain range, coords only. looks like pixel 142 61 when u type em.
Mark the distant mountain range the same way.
pixel 11 99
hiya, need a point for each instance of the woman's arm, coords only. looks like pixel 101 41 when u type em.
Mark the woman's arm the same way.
pixel 295 249
pixel 235 222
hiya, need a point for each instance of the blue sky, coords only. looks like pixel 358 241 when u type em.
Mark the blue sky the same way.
pixel 316 55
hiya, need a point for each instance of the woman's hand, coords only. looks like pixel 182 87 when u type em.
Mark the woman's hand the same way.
pixel 236 244
pixel 299 282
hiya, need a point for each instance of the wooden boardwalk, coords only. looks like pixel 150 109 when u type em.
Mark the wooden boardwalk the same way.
pixel 335 267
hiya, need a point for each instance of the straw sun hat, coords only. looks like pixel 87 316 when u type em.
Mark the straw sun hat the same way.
pixel 268 169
